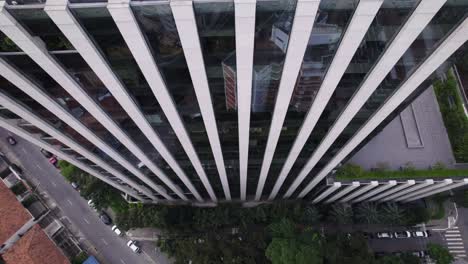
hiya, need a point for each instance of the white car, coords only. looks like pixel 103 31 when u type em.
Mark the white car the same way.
pixel 117 230
pixel 402 234
pixel 384 235
pixel 133 246
pixel 91 204
pixel 420 234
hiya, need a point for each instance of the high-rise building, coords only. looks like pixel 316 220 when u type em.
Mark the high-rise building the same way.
pixel 208 101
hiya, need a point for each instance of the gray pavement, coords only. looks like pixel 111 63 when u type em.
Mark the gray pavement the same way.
pixel 109 248
pixel 418 135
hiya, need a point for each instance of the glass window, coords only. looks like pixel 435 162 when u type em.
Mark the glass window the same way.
pixel 330 24
pixel 273 25
pixel 450 15
pixel 390 17
pixel 158 25
pixel 38 23
pixel 102 30
pixel 215 22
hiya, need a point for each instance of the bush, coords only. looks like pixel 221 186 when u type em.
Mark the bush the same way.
pixel 453 114
pixel 69 171
pixel 439 254
pixel 80 258
pixel 19 188
pixel 350 171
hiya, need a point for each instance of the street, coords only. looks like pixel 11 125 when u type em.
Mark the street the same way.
pixel 36 168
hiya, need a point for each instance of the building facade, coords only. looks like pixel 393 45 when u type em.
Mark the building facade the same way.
pixel 198 101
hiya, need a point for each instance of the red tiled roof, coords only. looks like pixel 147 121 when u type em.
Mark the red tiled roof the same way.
pixel 34 248
pixel 12 213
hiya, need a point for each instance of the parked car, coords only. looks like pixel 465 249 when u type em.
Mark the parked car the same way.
pixel 134 246
pixel 384 235
pixel 11 140
pixel 54 161
pixel 91 204
pixel 402 234
pixel 419 234
pixel 46 153
pixel 105 218
pixel 420 254
pixel 75 185
pixel 117 230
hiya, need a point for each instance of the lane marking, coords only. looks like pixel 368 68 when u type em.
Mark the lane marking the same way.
pixel 104 241
pixel 123 261
pixel 454 243
pixel 39 167
pixel 457 251
pixel 53 183
pixel 453 239
pixel 452 235
pixel 69 202
pixel 455 227
pixel 86 220
pixel 461 256
pixel 453 231
pixel 456 247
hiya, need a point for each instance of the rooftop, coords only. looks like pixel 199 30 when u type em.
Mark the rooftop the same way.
pixel 34 248
pixel 13 214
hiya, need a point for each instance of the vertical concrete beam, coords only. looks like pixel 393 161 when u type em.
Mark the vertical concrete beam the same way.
pixel 128 26
pixel 59 13
pixel 355 32
pixel 415 24
pixel 186 24
pixel 245 38
pixel 439 185
pixel 448 46
pixel 395 189
pixel 27 115
pixel 418 186
pixel 362 190
pixel 12 126
pixel 331 189
pixel 380 189
pixel 451 186
pixel 343 192
pixel 299 38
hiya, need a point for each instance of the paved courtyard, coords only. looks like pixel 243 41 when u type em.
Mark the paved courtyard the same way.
pixel 417 135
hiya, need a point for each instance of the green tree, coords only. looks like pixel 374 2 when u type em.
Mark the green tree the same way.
pixel 290 246
pixel 439 254
pixel 341 213
pixel 393 213
pixel 311 215
pixel 368 213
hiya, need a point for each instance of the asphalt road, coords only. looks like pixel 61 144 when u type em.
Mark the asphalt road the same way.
pixel 111 248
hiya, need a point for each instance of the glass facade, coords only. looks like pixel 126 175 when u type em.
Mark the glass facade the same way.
pixel 330 24
pixel 391 16
pixel 215 21
pixel 273 25
pixel 450 15
pixel 158 25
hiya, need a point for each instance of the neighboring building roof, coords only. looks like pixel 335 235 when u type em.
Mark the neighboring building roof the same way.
pixel 13 214
pixel 34 248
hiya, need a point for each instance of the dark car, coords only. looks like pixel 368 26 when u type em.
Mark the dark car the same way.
pixel 11 140
pixel 105 218
pixel 46 153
